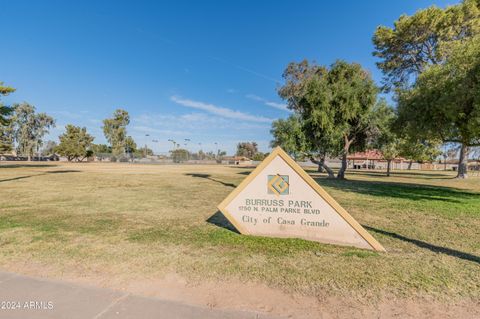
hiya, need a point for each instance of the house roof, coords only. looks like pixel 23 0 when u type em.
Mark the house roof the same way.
pixel 236 158
pixel 372 154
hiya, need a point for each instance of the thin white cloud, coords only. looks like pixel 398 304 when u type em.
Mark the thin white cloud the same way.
pixel 220 111
pixel 280 106
pixel 195 121
pixel 240 67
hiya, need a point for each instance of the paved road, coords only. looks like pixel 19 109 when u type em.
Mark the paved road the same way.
pixel 40 298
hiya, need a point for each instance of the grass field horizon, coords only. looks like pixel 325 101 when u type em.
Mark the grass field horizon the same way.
pixel 131 221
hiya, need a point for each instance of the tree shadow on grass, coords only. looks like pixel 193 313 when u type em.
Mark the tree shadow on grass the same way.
pixel 400 190
pixel 395 173
pixel 26 165
pixel 403 174
pixel 218 219
pixel 425 245
pixel 64 171
pixel 244 173
pixel 28 176
pixel 18 178
pixel 243 168
pixel 209 177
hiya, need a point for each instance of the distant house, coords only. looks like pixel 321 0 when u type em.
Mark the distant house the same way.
pixel 373 159
pixel 474 166
pixel 452 164
pixel 237 160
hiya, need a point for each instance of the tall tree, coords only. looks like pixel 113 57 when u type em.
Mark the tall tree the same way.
pixel 247 149
pixel 383 135
pixel 179 155
pixel 5 111
pixel 444 103
pixel 422 39
pixel 75 143
pixel 259 156
pixel 288 134
pixel 130 146
pixel 146 151
pixel 419 150
pixel 334 105
pixel 319 142
pixel 291 135
pixel 6 136
pixel 6 139
pixel 29 128
pixel 115 130
pixel 101 151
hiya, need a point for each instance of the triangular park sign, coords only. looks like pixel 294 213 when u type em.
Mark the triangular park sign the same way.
pixel 279 199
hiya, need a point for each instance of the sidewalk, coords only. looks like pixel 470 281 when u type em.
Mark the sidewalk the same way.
pixel 35 298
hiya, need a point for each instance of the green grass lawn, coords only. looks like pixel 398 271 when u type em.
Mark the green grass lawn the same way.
pixel 142 221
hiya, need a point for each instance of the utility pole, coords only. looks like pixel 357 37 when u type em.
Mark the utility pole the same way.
pixel 186 149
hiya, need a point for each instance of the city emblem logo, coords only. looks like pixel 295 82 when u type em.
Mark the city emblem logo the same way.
pixel 278 184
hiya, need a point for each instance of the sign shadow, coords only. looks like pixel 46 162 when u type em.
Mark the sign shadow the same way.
pixel 218 219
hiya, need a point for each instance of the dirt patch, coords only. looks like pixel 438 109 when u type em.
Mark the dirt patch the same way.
pixel 236 295
pixel 258 297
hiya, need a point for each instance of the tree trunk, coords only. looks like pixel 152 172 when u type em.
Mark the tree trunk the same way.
pixel 389 164
pixel 410 165
pixel 341 172
pixel 321 169
pixel 321 163
pixel 330 172
pixel 463 162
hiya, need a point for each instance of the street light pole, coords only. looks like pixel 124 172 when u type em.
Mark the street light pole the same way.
pixel 173 142
pixel 145 150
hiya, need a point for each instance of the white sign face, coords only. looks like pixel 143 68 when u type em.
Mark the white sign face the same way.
pixel 278 199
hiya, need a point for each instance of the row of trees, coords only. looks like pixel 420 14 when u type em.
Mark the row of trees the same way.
pixel 77 144
pixel 22 128
pixel 179 155
pixel 431 64
pixel 21 124
pixel 431 60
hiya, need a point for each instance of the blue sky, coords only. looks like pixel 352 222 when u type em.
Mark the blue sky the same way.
pixel 200 70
